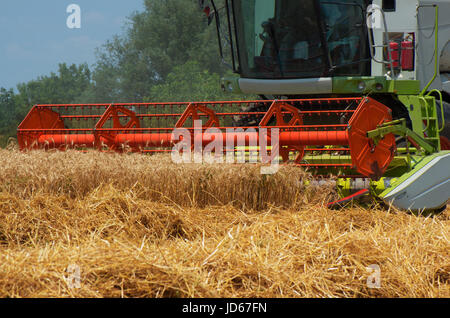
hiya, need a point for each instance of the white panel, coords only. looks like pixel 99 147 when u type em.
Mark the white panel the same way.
pixel 286 87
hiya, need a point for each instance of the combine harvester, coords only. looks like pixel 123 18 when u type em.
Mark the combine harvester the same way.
pixel 358 90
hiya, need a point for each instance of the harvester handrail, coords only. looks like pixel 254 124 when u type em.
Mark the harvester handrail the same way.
pixel 187 128
pixel 301 101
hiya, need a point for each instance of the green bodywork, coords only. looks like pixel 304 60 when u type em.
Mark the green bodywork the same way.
pixel 398 127
pixel 365 85
pixel 419 163
pixel 360 85
pixel 420 132
pixel 423 114
pixel 423 130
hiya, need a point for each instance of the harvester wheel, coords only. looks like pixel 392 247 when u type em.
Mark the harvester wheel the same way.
pixel 445 134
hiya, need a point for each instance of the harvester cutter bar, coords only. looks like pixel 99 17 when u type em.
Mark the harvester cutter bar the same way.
pixel 327 125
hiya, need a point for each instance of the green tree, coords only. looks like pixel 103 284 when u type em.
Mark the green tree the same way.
pixel 7 115
pixel 190 82
pixel 168 53
pixel 71 84
pixel 64 87
pixel 167 34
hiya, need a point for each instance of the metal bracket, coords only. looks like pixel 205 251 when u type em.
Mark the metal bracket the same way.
pixel 398 127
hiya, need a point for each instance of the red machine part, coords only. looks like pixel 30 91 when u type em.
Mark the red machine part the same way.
pixel 403 53
pixel 108 138
pixel 395 54
pixel 445 143
pixel 37 120
pixel 122 126
pixel 338 204
pixel 407 55
pixel 195 111
pixel 279 110
pixel 371 160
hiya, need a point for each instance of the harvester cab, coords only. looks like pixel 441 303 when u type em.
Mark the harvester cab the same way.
pixel 355 89
pixel 397 52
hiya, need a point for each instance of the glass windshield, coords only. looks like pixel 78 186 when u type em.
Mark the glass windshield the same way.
pixel 343 22
pixel 298 39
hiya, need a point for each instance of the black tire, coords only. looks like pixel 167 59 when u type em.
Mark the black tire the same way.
pixel 446 131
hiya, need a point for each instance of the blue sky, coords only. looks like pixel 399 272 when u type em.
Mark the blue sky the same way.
pixel 34 36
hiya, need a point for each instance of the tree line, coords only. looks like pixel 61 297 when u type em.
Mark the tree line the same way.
pixel 167 53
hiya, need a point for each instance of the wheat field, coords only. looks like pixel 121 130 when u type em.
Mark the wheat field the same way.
pixel 141 226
